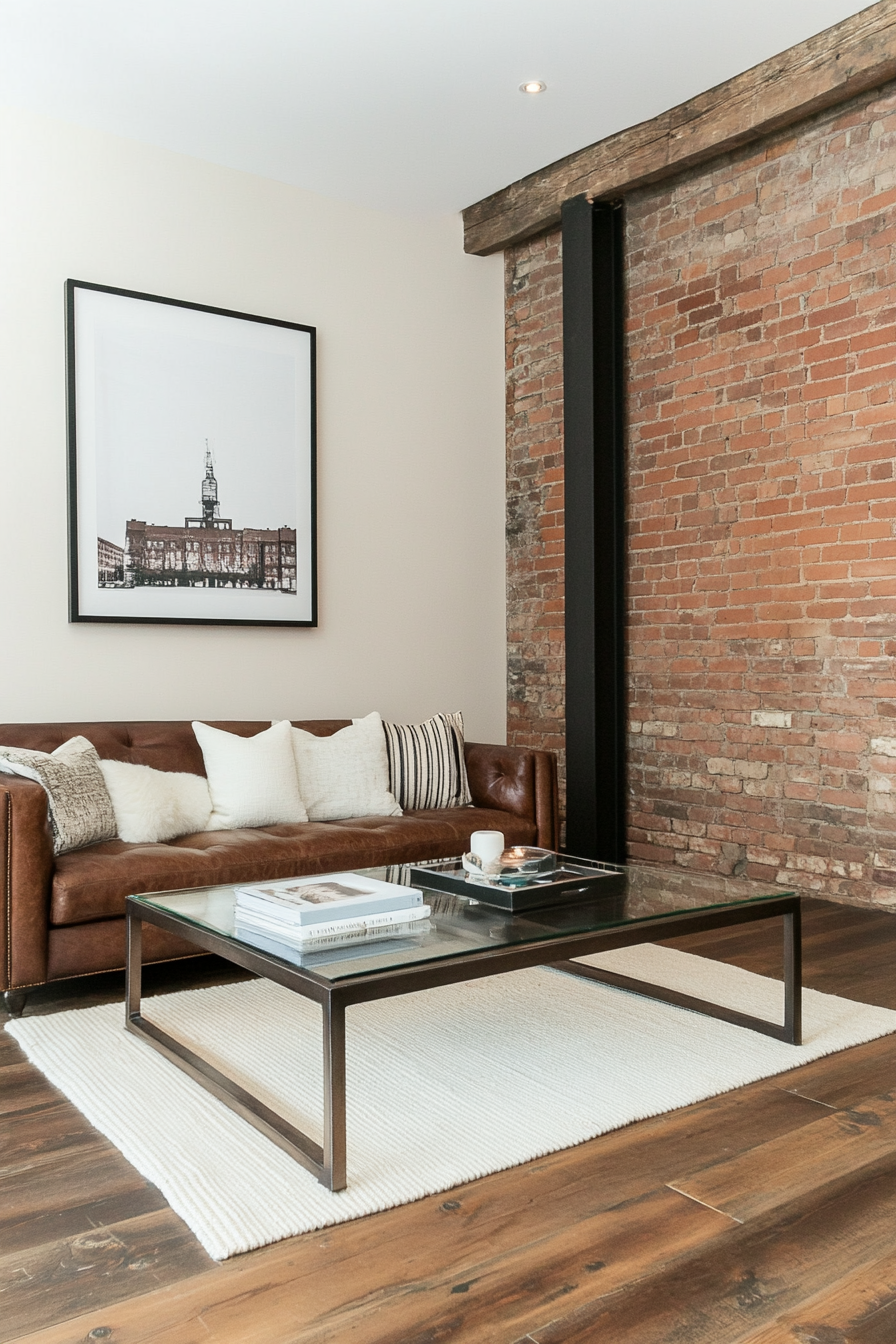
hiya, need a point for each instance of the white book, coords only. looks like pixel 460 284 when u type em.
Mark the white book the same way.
pixel 323 899
pixel 398 938
pixel 300 935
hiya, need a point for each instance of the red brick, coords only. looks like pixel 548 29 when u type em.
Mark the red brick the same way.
pixel 762 564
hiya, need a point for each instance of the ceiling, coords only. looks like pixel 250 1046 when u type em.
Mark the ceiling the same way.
pixel 411 106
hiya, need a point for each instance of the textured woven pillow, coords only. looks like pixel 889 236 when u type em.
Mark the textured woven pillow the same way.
pixel 252 780
pixel 79 804
pixel 426 762
pixel 346 774
pixel 152 805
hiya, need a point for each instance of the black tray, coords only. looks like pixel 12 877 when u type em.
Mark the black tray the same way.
pixel 572 880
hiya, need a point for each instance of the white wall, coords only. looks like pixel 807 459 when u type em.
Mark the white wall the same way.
pixel 410 445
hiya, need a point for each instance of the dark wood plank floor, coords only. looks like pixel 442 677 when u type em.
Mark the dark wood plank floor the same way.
pixel 764 1216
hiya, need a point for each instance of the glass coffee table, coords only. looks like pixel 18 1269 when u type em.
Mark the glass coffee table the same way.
pixel 466 940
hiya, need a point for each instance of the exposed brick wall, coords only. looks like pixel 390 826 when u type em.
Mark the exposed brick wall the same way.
pixel 535 703
pixel 762 548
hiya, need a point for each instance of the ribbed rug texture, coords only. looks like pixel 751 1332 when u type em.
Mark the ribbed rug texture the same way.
pixel 444 1086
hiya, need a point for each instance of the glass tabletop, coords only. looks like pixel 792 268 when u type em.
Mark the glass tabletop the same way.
pixel 459 925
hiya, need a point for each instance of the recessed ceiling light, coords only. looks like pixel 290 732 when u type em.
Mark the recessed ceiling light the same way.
pixel 533 86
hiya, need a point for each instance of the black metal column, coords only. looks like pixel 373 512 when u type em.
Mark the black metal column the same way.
pixel 594 488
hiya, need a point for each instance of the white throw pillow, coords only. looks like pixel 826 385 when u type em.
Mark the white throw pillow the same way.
pixel 153 805
pixel 252 780
pixel 80 808
pixel 346 774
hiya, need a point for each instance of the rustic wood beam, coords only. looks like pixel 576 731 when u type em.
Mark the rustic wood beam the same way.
pixel 853 56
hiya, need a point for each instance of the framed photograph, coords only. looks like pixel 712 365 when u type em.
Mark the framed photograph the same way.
pixel 191 455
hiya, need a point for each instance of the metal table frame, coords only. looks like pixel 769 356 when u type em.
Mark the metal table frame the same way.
pixel 328 1162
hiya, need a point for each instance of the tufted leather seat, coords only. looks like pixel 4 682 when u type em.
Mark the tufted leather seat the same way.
pixel 92 883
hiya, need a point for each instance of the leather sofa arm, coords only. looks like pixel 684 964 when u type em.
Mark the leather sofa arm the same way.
pixel 516 780
pixel 26 866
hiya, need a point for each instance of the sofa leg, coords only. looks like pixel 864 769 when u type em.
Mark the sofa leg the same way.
pixel 15 1001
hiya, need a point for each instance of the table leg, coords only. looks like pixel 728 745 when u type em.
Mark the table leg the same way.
pixel 334 1093
pixel 793 977
pixel 134 966
pixel 791 1029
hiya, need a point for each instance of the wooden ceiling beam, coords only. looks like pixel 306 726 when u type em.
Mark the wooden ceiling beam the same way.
pixel 853 56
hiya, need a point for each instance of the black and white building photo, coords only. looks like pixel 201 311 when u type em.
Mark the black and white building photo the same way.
pixel 206 552
pixel 172 409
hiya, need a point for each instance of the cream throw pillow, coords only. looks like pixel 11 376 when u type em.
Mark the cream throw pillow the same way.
pixel 78 802
pixel 252 780
pixel 152 805
pixel 347 774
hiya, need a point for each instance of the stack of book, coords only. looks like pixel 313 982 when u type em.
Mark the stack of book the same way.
pixel 318 914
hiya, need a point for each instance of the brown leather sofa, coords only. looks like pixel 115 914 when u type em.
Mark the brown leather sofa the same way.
pixel 64 916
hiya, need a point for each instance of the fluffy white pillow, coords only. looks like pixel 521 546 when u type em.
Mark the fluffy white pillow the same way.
pixel 347 774
pixel 155 805
pixel 252 780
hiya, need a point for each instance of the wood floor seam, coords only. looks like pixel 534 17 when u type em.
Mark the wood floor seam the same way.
pixel 703 1203
pixel 795 1092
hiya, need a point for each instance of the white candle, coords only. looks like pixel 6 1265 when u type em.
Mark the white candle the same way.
pixel 487 845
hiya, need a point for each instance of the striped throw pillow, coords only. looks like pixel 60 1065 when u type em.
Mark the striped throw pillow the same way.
pixel 426 762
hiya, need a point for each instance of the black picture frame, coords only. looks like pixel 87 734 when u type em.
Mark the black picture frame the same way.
pixel 163 396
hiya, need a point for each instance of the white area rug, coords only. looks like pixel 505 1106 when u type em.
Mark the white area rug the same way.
pixel 443 1086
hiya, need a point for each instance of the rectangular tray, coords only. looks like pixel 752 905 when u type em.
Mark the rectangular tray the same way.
pixel 572 880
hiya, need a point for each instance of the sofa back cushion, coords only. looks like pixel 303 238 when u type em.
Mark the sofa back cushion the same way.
pixel 162 744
